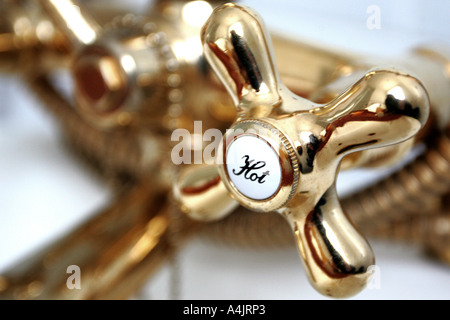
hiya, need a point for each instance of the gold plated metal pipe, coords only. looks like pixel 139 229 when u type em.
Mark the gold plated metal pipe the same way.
pixel 26 29
pixel 116 250
pixel 74 21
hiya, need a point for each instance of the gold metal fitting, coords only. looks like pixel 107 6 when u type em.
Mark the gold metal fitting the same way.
pixel 143 71
pixel 113 74
pixel 283 152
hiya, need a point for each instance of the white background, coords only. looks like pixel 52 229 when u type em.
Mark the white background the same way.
pixel 43 192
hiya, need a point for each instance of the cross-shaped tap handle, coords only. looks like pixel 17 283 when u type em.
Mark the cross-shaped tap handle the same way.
pixel 283 152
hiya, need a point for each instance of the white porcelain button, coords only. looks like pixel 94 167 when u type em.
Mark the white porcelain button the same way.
pixel 253 167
